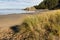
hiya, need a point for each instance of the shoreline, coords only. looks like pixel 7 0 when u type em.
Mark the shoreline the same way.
pixel 27 12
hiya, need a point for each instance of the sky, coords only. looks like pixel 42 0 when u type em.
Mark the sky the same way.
pixel 18 4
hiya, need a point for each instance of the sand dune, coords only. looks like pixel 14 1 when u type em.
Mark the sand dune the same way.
pixel 11 28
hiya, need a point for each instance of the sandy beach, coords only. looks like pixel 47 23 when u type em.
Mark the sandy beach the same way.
pixel 10 20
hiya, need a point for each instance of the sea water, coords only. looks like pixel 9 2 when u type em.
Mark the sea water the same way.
pixel 15 6
pixel 13 11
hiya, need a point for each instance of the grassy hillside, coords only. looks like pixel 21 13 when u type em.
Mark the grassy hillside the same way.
pixel 44 26
pixel 49 4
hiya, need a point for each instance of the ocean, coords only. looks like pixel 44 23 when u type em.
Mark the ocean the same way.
pixel 15 6
pixel 13 11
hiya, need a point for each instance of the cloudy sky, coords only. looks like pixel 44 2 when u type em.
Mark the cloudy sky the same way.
pixel 16 4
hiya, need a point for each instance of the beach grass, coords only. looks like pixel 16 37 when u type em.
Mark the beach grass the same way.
pixel 41 26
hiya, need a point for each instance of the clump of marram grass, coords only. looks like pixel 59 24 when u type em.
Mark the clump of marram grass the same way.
pixel 44 26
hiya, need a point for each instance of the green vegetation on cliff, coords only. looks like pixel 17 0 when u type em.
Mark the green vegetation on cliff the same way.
pixel 48 4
